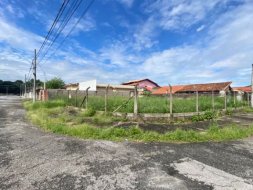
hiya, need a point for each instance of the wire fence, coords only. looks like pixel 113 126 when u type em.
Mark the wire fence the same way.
pixel 130 102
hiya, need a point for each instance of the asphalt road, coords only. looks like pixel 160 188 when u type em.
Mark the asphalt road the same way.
pixel 33 159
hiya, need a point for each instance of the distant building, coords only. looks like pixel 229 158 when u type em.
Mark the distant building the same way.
pixel 120 89
pixel 217 88
pixel 71 86
pixel 144 84
pixel 245 89
pixel 243 92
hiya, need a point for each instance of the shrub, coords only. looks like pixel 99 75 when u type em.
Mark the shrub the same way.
pixel 208 115
pixel 89 112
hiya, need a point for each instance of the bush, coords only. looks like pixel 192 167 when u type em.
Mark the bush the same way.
pixel 208 115
pixel 89 112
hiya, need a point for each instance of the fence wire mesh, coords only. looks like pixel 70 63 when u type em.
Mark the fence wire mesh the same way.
pixel 121 101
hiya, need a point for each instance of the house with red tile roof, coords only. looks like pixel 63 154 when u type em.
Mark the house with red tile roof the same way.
pixel 146 84
pixel 192 88
pixel 243 92
pixel 246 89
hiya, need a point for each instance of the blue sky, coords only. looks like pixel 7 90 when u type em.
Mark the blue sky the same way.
pixel 168 41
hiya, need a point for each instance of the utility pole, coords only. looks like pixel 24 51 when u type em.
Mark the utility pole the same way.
pixel 25 87
pixel 34 76
pixel 252 87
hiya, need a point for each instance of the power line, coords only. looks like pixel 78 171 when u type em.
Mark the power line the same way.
pixel 57 28
pixel 63 24
pixel 61 10
pixel 78 21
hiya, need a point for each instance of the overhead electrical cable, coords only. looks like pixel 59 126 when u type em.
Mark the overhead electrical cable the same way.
pixel 71 30
pixel 63 24
pixel 61 10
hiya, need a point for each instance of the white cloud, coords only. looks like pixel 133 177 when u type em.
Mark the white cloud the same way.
pixel 13 66
pixel 202 27
pixel 85 25
pixel 117 55
pixel 143 36
pixel 9 8
pixel 225 54
pixel 17 37
pixel 128 3
pixel 170 15
pixel 181 14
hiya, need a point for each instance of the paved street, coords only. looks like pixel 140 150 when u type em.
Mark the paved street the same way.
pixel 33 159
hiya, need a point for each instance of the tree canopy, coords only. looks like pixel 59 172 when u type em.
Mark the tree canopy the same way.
pixel 55 83
pixel 8 87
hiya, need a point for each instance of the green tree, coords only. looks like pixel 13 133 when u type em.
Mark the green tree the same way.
pixel 55 83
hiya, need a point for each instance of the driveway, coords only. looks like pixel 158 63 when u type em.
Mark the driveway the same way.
pixel 33 159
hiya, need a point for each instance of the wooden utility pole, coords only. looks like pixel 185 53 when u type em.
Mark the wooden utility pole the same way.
pixel 34 76
pixel 252 87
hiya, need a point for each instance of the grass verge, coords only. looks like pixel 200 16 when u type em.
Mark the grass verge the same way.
pixel 54 116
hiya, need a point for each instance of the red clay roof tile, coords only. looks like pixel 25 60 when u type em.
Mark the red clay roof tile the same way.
pixel 194 87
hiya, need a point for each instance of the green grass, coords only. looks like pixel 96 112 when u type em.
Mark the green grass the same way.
pixel 247 110
pixel 73 122
pixel 153 104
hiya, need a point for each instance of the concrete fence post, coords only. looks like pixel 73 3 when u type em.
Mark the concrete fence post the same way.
pixel 87 96
pixel 248 99
pixel 135 101
pixel 234 99
pixel 68 96
pixel 197 101
pixel 251 98
pixel 171 102
pixel 106 97
pixel 76 97
pixel 225 100
pixel 213 100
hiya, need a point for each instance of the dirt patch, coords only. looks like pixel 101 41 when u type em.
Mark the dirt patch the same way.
pixel 240 120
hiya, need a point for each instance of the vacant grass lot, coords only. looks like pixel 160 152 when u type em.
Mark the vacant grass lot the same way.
pixel 152 104
pixel 54 116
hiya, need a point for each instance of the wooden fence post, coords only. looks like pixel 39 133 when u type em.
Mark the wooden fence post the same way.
pixel 225 100
pixel 197 101
pixel 76 97
pixel 106 97
pixel 135 101
pixel 68 96
pixel 171 102
pixel 213 100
